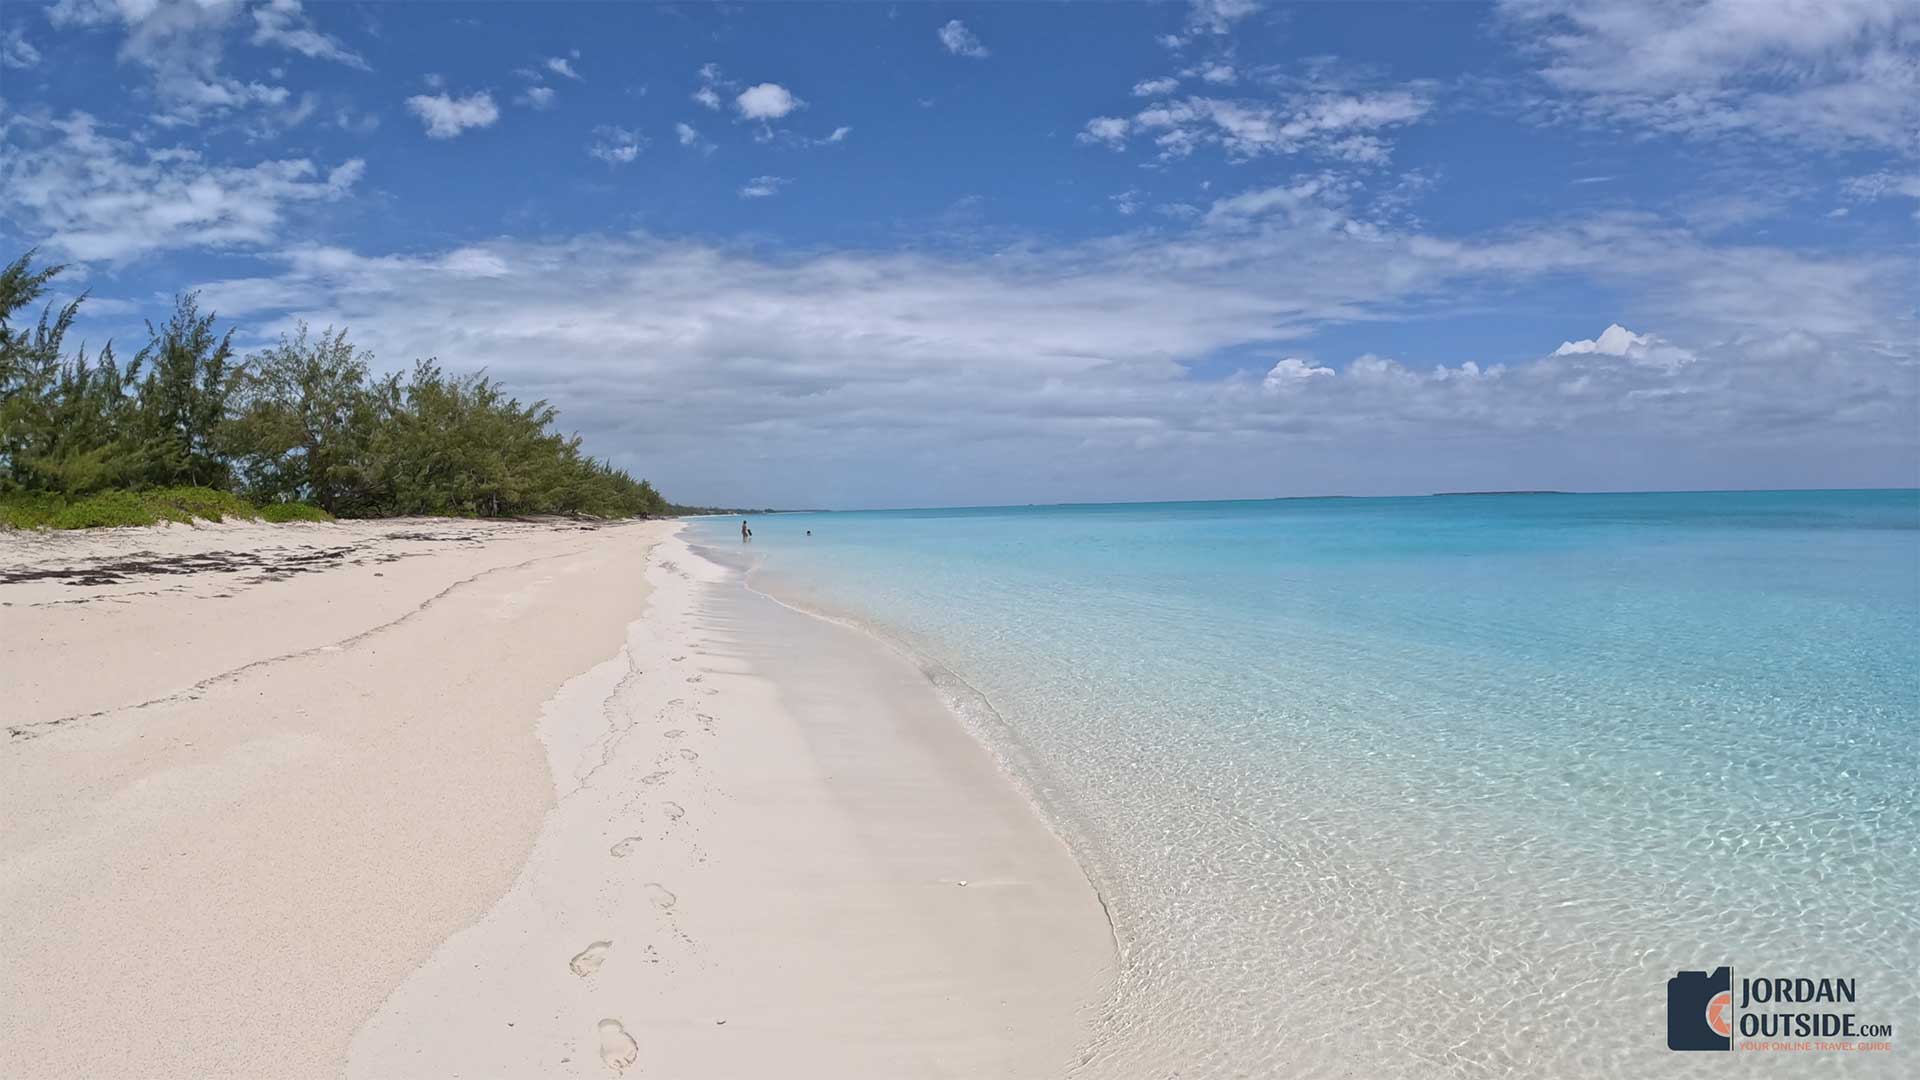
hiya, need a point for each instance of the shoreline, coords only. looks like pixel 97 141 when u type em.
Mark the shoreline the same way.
pixel 1017 763
pixel 334 846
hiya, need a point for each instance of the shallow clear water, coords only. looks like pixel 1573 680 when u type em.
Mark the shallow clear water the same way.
pixel 1436 787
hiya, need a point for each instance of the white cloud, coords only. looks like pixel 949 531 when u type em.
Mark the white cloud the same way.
pixel 1126 203
pixel 475 262
pixel 711 84
pixel 561 65
pixel 181 46
pixel 961 41
pixel 447 116
pixel 1289 373
pixel 17 52
pixel 538 97
pixel 761 187
pixel 1210 17
pixel 90 196
pixel 1218 16
pixel 283 23
pixel 1215 72
pixel 1837 72
pixel 615 145
pixel 1618 341
pixel 1110 130
pixel 1883 185
pixel 686 133
pixel 1156 87
pixel 1335 124
pixel 766 101
pixel 838 134
pixel 1068 368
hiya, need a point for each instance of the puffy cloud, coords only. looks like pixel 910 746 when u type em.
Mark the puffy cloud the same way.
pixel 708 92
pixel 1289 373
pixel 538 97
pixel 766 101
pixel 1837 72
pixel 1156 87
pixel 95 197
pixel 961 41
pixel 838 135
pixel 1109 130
pixel 561 65
pixel 446 116
pixel 1617 340
pixel 761 187
pixel 686 133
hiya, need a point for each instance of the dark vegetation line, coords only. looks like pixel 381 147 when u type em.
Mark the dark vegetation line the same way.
pixel 300 431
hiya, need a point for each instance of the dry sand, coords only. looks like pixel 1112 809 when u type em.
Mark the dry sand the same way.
pixel 445 799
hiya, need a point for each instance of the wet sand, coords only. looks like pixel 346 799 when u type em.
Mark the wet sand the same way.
pixel 446 799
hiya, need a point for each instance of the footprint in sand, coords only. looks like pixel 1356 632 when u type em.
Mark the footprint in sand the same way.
pixel 675 733
pixel 661 898
pixel 673 811
pixel 696 678
pixel 590 959
pixel 617 1048
pixel 624 848
pixel 655 777
pixel 690 755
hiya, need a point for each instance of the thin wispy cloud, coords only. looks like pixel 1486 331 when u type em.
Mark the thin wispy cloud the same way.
pixel 960 41
pixel 616 145
pixel 763 187
pixel 86 194
pixel 1836 73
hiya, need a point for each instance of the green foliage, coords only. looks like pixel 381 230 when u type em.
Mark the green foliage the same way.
pixel 108 508
pixel 305 422
pixel 293 511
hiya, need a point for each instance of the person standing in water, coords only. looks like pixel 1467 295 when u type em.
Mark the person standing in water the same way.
pixel 746 534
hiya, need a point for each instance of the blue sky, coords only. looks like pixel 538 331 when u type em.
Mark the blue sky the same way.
pixel 870 254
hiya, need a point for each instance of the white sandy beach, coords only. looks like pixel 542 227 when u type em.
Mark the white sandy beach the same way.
pixel 423 799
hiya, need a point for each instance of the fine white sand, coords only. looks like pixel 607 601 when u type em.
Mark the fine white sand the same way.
pixel 448 799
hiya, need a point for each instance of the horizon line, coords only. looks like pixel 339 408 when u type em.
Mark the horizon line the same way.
pixel 1307 498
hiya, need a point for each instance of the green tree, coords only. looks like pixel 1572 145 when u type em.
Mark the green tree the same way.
pixel 182 418
pixel 306 415
pixel 305 420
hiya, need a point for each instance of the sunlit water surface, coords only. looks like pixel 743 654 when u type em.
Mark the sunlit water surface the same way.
pixel 1435 787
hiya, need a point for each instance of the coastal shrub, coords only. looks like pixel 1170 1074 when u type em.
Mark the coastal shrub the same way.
pixel 293 511
pixel 303 422
pixel 105 509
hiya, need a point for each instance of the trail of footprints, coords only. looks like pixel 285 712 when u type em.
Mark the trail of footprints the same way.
pixel 618 1049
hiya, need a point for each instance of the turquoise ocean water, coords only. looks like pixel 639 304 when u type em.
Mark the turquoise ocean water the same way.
pixel 1435 787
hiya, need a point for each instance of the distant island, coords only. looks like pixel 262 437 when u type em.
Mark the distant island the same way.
pixel 1463 494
